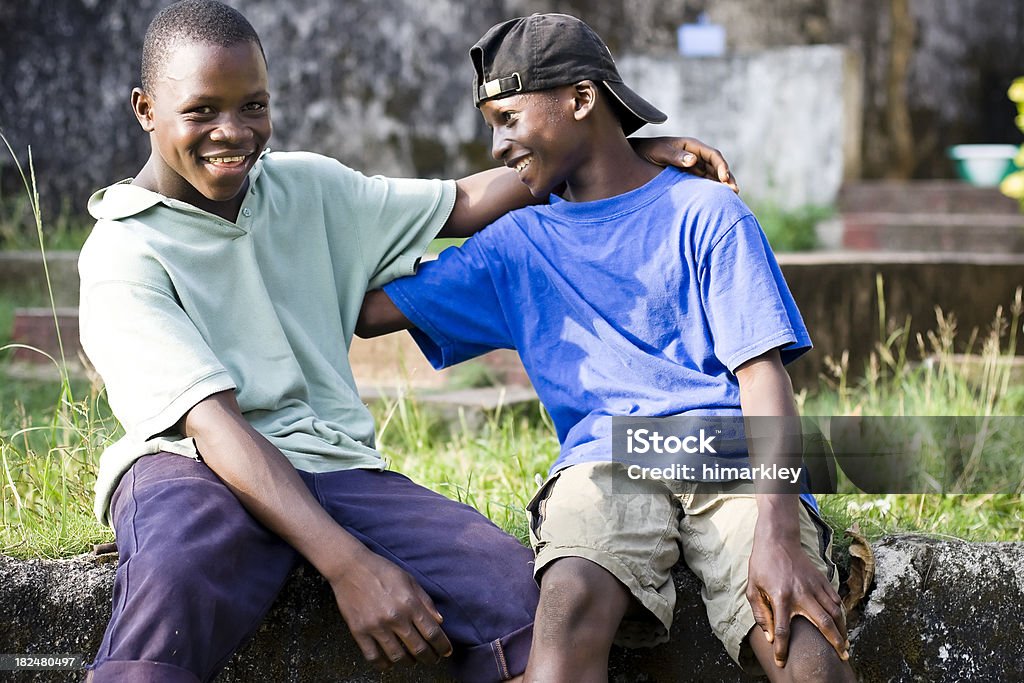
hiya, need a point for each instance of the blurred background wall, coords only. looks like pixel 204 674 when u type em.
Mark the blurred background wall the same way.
pixel 384 84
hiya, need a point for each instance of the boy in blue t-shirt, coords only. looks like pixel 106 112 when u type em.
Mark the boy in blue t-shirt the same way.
pixel 639 292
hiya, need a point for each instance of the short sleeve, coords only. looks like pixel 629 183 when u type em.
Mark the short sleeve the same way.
pixel 454 304
pixel 748 305
pixel 394 220
pixel 152 358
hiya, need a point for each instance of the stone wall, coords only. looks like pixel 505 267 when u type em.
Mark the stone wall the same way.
pixel 383 84
pixel 938 611
pixel 789 118
pixel 935 71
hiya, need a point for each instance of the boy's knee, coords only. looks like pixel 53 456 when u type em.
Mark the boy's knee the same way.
pixel 581 607
pixel 581 590
pixel 812 658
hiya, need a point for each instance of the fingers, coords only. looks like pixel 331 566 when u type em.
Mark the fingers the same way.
pixel 834 631
pixel 689 153
pixel 707 169
pixel 398 626
pixel 415 633
pixel 821 606
pixel 428 623
pixel 774 618
pixel 712 163
pixel 781 637
pixel 421 640
pixel 828 617
pixel 830 599
pixel 371 653
pixel 729 179
pixel 762 610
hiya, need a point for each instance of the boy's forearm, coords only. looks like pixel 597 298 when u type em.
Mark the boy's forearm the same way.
pixel 483 198
pixel 782 582
pixel 773 425
pixel 267 485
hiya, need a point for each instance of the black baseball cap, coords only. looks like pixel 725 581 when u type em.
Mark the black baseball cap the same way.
pixel 544 51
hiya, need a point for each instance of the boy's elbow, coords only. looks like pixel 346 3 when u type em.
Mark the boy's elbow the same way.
pixel 378 316
pixel 365 329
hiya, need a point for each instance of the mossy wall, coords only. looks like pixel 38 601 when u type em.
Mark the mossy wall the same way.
pixel 383 84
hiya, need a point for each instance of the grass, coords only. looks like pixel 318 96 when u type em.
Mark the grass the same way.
pixel 7 306
pixel 67 230
pixel 47 454
pixel 494 468
pixel 48 447
pixel 51 435
pixel 895 385
pixel 50 443
pixel 791 229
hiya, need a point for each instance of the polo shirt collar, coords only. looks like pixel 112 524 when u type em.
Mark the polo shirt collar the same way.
pixel 122 199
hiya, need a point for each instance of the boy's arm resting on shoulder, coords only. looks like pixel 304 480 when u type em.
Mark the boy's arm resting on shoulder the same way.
pixel 782 580
pixel 484 197
pixel 388 613
pixel 379 316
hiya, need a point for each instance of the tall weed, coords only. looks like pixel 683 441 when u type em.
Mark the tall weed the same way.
pixel 47 455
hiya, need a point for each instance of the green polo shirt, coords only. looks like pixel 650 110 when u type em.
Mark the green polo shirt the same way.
pixel 178 304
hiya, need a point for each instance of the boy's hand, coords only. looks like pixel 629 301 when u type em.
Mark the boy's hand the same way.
pixel 689 154
pixel 782 583
pixel 390 616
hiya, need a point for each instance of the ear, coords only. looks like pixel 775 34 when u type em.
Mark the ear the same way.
pixel 585 95
pixel 142 106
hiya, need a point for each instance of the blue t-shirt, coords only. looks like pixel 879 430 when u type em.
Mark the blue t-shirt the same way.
pixel 638 305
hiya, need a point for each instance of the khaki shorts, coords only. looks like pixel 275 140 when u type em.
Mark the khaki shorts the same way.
pixel 636 533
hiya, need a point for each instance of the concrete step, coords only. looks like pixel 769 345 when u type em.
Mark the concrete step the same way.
pixel 34 328
pixel 992 233
pixel 458 407
pixel 923 196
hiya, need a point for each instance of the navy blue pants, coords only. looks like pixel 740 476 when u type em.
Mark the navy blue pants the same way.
pixel 197 573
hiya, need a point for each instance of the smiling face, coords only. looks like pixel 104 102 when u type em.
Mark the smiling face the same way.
pixel 534 134
pixel 209 119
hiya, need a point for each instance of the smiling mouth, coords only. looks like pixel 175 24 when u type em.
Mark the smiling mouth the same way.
pixel 522 164
pixel 219 161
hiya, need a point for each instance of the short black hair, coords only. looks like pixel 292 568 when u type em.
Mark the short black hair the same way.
pixel 192 21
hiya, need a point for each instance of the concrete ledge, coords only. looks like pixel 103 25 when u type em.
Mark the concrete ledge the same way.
pixel 22 273
pixel 836 292
pixel 924 196
pixel 938 611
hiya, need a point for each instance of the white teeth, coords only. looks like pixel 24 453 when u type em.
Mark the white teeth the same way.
pixel 224 160
pixel 521 166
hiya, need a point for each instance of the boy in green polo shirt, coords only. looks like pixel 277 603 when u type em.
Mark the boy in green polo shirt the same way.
pixel 220 289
